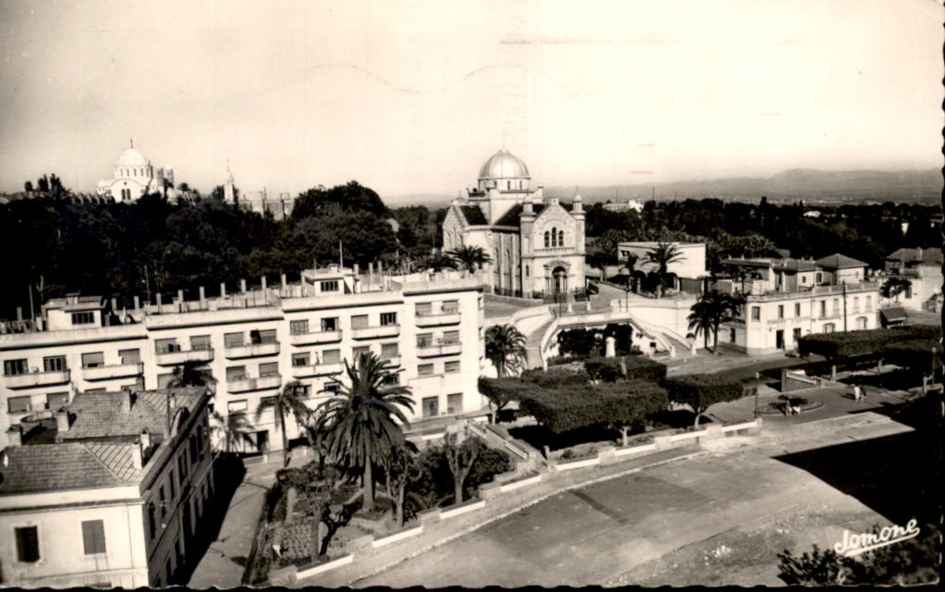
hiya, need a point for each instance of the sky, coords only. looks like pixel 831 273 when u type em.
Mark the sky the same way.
pixel 410 97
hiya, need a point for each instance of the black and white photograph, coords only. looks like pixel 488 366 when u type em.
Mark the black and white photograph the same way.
pixel 469 293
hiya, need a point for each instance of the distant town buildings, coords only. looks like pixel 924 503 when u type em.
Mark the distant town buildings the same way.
pixel 536 245
pixel 134 176
pixel 789 298
pixel 259 201
pixel 625 206
pixel 108 490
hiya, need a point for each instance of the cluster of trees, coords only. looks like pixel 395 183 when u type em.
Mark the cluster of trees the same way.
pixel 154 245
pixel 710 311
pixel 578 344
pixel 732 229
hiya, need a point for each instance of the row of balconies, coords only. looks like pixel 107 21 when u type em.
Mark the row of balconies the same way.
pixel 51 378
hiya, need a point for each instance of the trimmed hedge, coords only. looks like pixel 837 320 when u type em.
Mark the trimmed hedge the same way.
pixel 701 391
pixel 557 376
pixel 567 408
pixel 914 353
pixel 861 343
pixel 643 368
pixel 605 369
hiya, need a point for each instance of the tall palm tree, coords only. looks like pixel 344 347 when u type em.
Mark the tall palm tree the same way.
pixel 470 257
pixel 235 429
pixel 663 254
pixel 291 399
pixel 190 373
pixel 701 318
pixel 365 421
pixel 505 348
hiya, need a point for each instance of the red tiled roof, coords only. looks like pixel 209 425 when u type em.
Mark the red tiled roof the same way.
pixel 838 261
pixel 69 465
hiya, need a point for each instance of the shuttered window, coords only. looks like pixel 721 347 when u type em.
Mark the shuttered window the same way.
pixel 27 544
pixel 93 536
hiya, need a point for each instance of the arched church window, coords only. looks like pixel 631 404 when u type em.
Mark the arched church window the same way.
pixel 560 238
pixel 526 271
pixel 547 240
pixel 554 236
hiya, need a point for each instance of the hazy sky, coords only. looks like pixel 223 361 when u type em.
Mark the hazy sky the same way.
pixel 411 97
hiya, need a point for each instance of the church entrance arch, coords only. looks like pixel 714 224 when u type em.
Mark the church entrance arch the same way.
pixel 559 280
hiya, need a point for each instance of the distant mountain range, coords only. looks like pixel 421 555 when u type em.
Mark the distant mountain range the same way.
pixel 811 185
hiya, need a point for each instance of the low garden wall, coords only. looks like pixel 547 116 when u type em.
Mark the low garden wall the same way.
pixel 368 545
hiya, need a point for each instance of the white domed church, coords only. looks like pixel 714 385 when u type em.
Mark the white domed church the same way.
pixel 536 244
pixel 134 176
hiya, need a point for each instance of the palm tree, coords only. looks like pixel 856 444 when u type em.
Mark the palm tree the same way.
pixel 894 286
pixel 663 254
pixel 365 421
pixel 291 399
pixel 470 257
pixel 234 429
pixel 505 348
pixel 631 265
pixel 700 319
pixel 189 373
pixel 440 262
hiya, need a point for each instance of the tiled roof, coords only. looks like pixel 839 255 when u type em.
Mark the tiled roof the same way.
pixel 511 218
pixel 100 415
pixel 69 465
pixel 838 261
pixel 798 265
pixel 925 256
pixel 473 215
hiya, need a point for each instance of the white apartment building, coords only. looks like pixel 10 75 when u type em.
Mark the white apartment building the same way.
pixel 106 493
pixel 923 269
pixel 253 343
pixel 786 299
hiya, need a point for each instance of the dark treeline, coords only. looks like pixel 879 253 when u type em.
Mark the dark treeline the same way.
pixel 867 232
pixel 155 246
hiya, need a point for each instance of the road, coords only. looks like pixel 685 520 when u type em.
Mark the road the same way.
pixel 596 534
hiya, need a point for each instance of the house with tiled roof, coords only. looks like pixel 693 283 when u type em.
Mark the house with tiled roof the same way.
pixel 108 491
pixel 535 243
pixel 922 271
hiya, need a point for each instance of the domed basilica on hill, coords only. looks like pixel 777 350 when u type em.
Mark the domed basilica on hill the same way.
pixel 536 244
pixel 134 176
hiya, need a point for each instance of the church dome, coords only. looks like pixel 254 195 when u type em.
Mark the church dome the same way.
pixel 504 165
pixel 132 158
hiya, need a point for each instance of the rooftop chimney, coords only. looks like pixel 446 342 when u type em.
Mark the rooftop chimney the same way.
pixel 125 401
pixel 145 441
pixel 15 435
pixel 137 457
pixel 62 421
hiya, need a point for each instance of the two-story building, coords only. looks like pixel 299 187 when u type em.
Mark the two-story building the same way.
pixel 923 269
pixel 108 491
pixel 254 342
pixel 786 299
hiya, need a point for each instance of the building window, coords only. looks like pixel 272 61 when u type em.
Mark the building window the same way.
pixel 560 238
pixel 425 370
pixel 451 367
pixel 200 343
pixel 756 313
pixel 330 324
pixel 298 327
pixel 55 401
pixel 526 271
pixel 869 303
pixel 19 405
pixel 856 304
pixel 388 318
pixel 454 403
pixel 329 286
pixel 820 277
pixel 130 356
pixel 431 406
pixel 422 309
pixel 389 350
pixel 236 407
pixel 93 360
pixel 300 360
pixel 554 237
pixel 331 356
pixel 234 373
pixel 780 311
pixel 451 337
pixel 547 239
pixel 359 321
pixel 27 544
pixel 83 318
pixel 269 369
pixel 233 340
pixel 15 367
pixel 166 346
pixel 357 352
pixel 265 336
pixel 163 380
pixel 823 309
pixel 54 364
pixel 424 340
pixel 797 309
pixel 836 306
pixel 829 328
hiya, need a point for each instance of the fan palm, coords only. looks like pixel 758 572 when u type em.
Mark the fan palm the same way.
pixel 505 348
pixel 662 255
pixel 470 257
pixel 712 310
pixel 700 319
pixel 365 421
pixel 291 399
pixel 440 262
pixel 234 429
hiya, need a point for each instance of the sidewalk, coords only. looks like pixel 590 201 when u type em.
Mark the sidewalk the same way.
pixel 439 533
pixel 223 564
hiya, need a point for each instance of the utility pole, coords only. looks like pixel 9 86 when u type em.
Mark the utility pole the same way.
pixel 844 286
pixel 32 312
